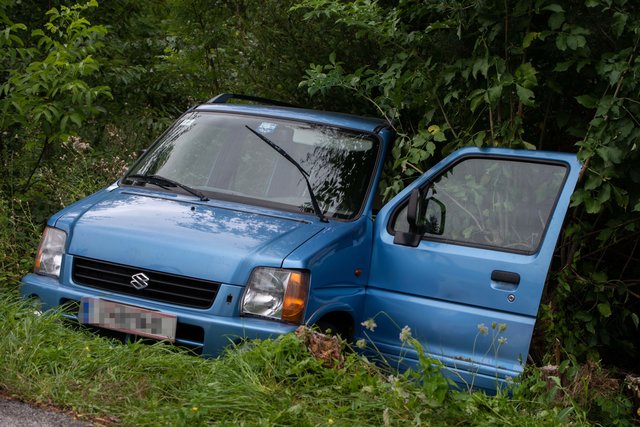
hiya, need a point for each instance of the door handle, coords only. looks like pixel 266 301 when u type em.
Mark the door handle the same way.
pixel 505 276
pixel 504 280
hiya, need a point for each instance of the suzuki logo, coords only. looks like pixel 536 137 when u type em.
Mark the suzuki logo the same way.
pixel 139 281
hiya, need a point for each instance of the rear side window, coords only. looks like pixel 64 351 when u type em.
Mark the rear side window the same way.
pixel 489 202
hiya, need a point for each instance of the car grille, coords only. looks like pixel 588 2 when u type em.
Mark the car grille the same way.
pixel 164 287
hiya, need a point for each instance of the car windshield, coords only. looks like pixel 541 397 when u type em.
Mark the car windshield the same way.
pixel 221 157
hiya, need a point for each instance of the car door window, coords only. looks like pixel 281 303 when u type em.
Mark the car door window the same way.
pixel 489 202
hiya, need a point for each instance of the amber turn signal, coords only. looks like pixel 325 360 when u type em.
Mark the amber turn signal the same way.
pixel 295 298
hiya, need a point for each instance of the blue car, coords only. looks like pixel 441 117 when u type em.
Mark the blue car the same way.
pixel 245 221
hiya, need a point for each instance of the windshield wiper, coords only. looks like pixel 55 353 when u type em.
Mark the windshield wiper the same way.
pixel 163 182
pixel 305 174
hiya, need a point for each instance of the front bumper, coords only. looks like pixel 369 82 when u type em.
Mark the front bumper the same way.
pixel 207 330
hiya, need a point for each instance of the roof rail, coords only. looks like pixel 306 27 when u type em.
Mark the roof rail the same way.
pixel 223 98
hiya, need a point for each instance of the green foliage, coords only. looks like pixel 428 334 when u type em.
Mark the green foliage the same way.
pixel 594 319
pixel 49 90
pixel 134 63
pixel 584 390
pixel 76 171
pixel 522 74
pixel 19 236
pixel 48 95
pixel 254 47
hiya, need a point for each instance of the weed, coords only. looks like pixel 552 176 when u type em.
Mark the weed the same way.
pixel 272 382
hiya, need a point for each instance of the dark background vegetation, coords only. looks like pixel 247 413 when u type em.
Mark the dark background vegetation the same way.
pixel 83 87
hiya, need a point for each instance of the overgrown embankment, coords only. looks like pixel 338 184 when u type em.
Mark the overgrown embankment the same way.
pixel 267 383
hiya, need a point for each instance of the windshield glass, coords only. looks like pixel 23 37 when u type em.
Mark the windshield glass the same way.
pixel 218 155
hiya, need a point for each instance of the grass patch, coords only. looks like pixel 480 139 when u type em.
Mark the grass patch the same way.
pixel 274 382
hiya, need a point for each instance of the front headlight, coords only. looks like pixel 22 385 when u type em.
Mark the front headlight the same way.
pixel 276 293
pixel 49 258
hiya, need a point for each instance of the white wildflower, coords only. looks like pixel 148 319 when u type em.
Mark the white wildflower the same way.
pixel 405 334
pixel 369 324
pixel 393 380
pixel 367 389
pixel 483 329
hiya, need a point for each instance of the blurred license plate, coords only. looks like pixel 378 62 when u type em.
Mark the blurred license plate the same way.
pixel 127 318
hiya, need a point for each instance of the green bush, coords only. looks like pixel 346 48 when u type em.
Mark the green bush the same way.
pixel 544 74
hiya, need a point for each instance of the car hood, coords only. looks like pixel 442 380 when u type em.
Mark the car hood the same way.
pixel 189 239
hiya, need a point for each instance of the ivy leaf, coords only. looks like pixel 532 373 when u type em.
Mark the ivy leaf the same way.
pixel 494 93
pixel 621 196
pixel 604 105
pixel 529 38
pixel 554 8
pixel 611 154
pixel 626 127
pixel 599 277
pixel 581 64
pixel 604 309
pixel 561 42
pixel 556 20
pixel 593 182
pixel 604 194
pixel 478 141
pixel 587 101
pixel 577 198
pixel 563 66
pixel 634 318
pixel 591 205
pixel 619 22
pixel 482 66
pixel 76 118
pixel 575 42
pixel 451 95
pixel 477 96
pixel 525 95
pixel 583 317
pixel 526 75
pixel 438 137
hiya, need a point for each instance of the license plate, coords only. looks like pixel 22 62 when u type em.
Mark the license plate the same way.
pixel 127 318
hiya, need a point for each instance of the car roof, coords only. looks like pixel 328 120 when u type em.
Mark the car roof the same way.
pixel 348 121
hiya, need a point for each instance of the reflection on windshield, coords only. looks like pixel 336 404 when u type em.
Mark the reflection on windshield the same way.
pixel 218 155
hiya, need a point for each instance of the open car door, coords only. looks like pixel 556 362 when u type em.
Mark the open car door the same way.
pixel 461 257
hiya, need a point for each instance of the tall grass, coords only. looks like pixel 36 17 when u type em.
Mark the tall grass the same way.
pixel 274 382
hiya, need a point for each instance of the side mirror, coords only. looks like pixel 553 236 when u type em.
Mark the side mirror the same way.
pixel 415 213
pixel 434 216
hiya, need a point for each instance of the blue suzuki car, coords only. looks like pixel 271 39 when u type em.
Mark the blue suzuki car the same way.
pixel 244 221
